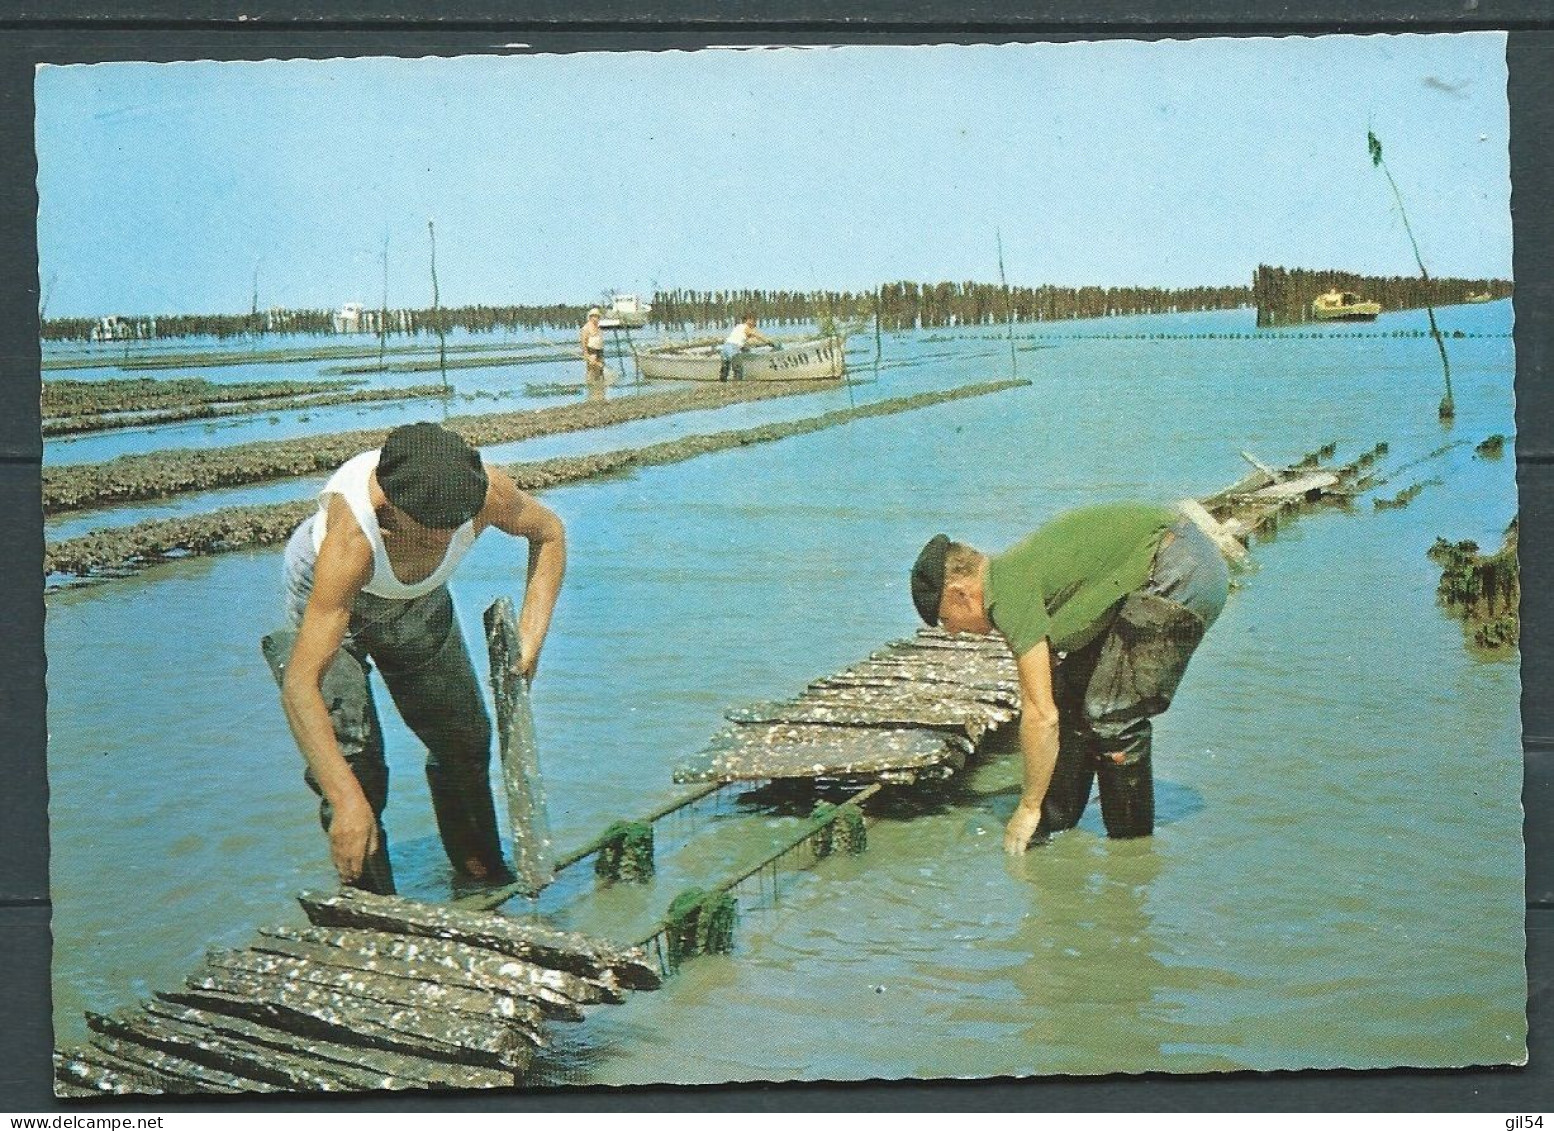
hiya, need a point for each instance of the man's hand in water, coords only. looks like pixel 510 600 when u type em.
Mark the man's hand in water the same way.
pixel 1021 827
pixel 353 838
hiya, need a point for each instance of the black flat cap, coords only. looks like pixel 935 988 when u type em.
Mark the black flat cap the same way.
pixel 432 475
pixel 928 578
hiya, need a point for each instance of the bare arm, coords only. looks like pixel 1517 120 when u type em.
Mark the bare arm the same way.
pixel 344 566
pixel 517 513
pixel 1038 744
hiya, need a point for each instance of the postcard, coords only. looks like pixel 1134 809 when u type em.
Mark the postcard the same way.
pixel 781 564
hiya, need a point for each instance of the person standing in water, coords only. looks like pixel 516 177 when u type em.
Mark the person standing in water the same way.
pixel 366 583
pixel 739 339
pixel 1124 592
pixel 591 339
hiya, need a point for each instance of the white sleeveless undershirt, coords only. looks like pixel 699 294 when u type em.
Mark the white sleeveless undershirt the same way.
pixel 351 484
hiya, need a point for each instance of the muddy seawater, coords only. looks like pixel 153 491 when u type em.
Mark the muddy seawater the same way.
pixel 1336 878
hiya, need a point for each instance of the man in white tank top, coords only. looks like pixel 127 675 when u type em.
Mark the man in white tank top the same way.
pixel 740 338
pixel 366 583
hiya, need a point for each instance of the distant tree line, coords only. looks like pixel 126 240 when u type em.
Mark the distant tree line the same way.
pixel 142 326
pixel 1283 294
pixel 901 306
pixel 908 305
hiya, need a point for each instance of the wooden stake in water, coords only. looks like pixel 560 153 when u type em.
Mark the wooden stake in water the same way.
pixel 383 309
pixel 48 291
pixel 533 857
pixel 442 339
pixel 1448 408
pixel 253 310
pixel 1008 305
pixel 879 299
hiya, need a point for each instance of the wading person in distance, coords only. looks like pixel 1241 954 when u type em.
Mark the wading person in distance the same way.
pixel 739 339
pixel 366 582
pixel 1123 592
pixel 591 338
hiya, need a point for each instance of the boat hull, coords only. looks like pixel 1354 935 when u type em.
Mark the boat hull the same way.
pixel 820 359
pixel 1345 315
pixel 1343 306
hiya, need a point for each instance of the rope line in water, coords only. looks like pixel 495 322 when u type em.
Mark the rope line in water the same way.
pixel 704 917
pixel 490 900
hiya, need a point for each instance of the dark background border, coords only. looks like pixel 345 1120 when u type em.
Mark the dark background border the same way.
pixel 93 31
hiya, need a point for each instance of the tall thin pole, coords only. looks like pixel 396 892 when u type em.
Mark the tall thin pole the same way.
pixel 879 301
pixel 383 310
pixel 48 291
pixel 839 344
pixel 442 339
pixel 1448 408
pixel 1008 305
pixel 254 311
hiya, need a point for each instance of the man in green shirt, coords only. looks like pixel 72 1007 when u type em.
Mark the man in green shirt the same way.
pixel 1120 593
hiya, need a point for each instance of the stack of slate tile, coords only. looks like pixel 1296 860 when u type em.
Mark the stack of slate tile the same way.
pixel 910 712
pixel 379 993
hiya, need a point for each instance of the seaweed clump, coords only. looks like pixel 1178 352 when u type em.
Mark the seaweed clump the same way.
pixel 1492 447
pixel 699 922
pixel 626 852
pixel 846 832
pixel 1483 589
pixel 1405 496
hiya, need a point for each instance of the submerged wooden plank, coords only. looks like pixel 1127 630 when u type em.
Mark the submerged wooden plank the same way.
pixel 1263 469
pixel 1222 534
pixel 173 1073
pixel 951 717
pixel 349 1025
pixel 229 1054
pixel 973 657
pixel 69 1090
pixel 917 706
pixel 456 959
pixel 562 950
pixel 88 1071
pixel 1299 487
pixel 935 699
pixel 463 1002
pixel 342 1016
pixel 758 752
pixel 979 676
pixel 965 643
pixel 546 1002
pixel 393 1070
pixel 534 863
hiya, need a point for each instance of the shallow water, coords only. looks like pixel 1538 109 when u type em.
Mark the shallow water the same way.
pixel 473 390
pixel 1336 879
pixel 906 378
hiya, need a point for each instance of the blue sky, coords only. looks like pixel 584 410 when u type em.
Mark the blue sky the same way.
pixel 554 177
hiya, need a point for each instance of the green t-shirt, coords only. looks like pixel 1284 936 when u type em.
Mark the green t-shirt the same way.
pixel 1062 582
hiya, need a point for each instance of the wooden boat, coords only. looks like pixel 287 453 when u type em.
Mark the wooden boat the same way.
pixel 1343 306
pixel 816 359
